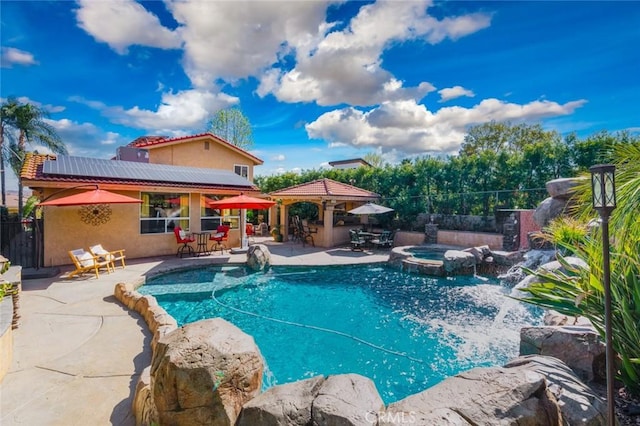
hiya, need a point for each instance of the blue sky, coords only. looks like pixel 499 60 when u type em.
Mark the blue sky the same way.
pixel 321 81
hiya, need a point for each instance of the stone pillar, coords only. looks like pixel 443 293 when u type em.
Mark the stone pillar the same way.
pixel 431 233
pixel 511 234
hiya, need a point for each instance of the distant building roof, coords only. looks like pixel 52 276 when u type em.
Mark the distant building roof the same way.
pixel 325 188
pixel 150 142
pixel 355 162
pixel 46 168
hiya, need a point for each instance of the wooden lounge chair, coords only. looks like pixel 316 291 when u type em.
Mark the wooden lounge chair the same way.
pixel 111 256
pixel 84 261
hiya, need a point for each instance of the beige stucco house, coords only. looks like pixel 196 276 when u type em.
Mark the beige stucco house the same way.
pixel 174 177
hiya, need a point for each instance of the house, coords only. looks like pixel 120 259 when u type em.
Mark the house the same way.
pixel 175 178
pixel 349 164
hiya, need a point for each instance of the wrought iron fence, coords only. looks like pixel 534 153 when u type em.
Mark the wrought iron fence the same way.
pixel 21 241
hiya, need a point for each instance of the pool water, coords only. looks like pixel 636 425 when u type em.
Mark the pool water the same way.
pixel 427 254
pixel 405 332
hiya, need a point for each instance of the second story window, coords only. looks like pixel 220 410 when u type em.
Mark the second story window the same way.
pixel 241 170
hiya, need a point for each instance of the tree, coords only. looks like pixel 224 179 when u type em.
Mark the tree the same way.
pixel 7 122
pixel 233 126
pixel 375 159
pixel 29 121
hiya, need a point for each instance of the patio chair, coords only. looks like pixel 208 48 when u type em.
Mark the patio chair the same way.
pixel 385 240
pixel 84 261
pixel 220 237
pixel 262 229
pixel 249 231
pixel 111 256
pixel 185 240
pixel 357 242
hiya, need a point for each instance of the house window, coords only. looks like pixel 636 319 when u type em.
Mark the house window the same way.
pixel 211 218
pixel 206 145
pixel 161 212
pixel 241 170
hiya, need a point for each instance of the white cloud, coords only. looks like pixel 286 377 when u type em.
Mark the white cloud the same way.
pixel 278 157
pixel 410 128
pixel 454 92
pixel 124 23
pixel 346 66
pixel 179 113
pixel 233 40
pixel 10 56
pixel 86 139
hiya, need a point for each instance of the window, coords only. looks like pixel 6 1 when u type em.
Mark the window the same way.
pixel 241 170
pixel 206 145
pixel 161 212
pixel 211 218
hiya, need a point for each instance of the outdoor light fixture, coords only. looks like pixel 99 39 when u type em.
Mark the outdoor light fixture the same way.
pixel 603 194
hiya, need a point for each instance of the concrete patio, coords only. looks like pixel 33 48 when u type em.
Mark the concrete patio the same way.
pixel 78 352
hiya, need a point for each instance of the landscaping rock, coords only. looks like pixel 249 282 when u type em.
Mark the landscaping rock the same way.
pixel 506 258
pixel 579 405
pixel 203 372
pixel 579 347
pixel 258 257
pixel 347 399
pixel 547 210
pixel 144 410
pixel 456 261
pixel 562 188
pixel 289 404
pixel 482 396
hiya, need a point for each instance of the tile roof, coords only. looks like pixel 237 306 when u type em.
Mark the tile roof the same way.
pixel 67 169
pixel 325 188
pixel 155 141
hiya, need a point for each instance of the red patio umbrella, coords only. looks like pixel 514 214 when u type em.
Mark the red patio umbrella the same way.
pixel 97 196
pixel 241 202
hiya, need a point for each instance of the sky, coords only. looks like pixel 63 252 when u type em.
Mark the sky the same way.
pixel 321 81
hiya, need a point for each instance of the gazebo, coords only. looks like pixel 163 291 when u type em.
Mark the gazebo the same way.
pixel 333 199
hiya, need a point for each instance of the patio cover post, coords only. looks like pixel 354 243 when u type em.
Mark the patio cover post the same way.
pixel 328 225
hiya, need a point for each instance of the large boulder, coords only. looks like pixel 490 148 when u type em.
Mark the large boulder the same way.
pixel 547 210
pixel 144 410
pixel 458 261
pixel 202 373
pixel 482 396
pixel 289 404
pixel 258 257
pixel 579 347
pixel 562 188
pixel 579 405
pixel 347 400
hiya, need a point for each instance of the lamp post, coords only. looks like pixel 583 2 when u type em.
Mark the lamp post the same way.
pixel 603 195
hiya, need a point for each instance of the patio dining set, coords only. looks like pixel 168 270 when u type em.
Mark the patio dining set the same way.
pixel 361 240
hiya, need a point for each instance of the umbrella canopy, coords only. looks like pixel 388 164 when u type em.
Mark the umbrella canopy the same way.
pixel 370 208
pixel 241 202
pixel 97 196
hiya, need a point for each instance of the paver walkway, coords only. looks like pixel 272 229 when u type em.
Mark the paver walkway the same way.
pixel 78 352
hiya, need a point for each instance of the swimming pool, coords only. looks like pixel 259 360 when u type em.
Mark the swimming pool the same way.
pixel 406 332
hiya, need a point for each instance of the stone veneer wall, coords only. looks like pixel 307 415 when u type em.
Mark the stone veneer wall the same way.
pixel 6 336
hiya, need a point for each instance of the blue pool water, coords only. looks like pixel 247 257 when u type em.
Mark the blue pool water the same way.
pixel 431 254
pixel 406 332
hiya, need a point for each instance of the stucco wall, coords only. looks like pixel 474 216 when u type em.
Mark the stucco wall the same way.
pixel 193 154
pixel 64 231
pixel 470 239
pixel 527 225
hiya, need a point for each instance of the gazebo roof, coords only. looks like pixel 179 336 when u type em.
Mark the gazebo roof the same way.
pixel 325 189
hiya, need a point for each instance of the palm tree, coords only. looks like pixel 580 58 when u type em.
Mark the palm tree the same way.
pixel 32 128
pixel 7 121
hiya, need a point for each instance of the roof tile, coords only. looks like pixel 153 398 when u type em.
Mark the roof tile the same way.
pixel 324 188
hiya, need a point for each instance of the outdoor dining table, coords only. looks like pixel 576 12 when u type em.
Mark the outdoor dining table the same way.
pixel 202 241
pixel 368 236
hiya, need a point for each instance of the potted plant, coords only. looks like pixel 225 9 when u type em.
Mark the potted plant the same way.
pixel 275 233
